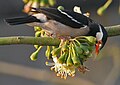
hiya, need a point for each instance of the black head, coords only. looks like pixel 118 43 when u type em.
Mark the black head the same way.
pixel 98 31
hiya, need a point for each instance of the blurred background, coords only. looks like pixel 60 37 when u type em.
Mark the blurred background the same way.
pixel 17 68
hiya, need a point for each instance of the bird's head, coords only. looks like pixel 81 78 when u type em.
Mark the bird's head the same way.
pixel 98 31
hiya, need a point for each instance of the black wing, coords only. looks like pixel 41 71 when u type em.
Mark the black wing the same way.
pixel 66 17
pixel 22 20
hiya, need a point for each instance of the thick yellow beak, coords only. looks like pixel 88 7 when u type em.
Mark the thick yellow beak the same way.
pixel 97 46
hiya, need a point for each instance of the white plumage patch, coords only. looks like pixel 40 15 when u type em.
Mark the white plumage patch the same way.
pixel 77 10
pixel 99 35
pixel 70 17
pixel 41 17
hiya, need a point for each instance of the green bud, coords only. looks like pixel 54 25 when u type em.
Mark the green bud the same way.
pixel 61 59
pixel 52 2
pixel 44 2
pixel 101 10
pixel 48 53
pixel 78 49
pixel 80 39
pixel 91 40
pixel 69 60
pixel 56 51
pixel 60 8
pixel 76 42
pixel 36 28
pixel 38 34
pixel 66 56
pixel 64 47
pixel 75 58
pixel 53 47
pixel 87 39
pixel 36 46
pixel 34 56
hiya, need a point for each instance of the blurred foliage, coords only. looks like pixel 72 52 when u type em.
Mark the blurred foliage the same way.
pixel 103 8
pixel 37 4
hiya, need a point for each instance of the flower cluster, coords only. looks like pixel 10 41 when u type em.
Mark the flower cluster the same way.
pixel 68 56
pixel 72 54
pixel 36 4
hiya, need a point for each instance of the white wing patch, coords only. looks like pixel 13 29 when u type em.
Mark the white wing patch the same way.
pixel 99 35
pixel 41 17
pixel 70 17
pixel 77 10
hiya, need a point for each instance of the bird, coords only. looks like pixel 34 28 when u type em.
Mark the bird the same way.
pixel 59 22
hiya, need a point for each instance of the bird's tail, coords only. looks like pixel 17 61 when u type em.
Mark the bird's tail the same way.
pixel 22 20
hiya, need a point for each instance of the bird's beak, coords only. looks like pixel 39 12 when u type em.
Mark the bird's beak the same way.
pixel 97 46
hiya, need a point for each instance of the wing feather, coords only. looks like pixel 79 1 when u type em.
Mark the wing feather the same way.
pixel 66 17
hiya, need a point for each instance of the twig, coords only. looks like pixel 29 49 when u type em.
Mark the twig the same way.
pixel 44 41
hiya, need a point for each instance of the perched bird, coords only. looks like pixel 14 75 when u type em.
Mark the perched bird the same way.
pixel 58 22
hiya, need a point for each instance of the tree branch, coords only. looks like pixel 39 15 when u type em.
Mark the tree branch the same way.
pixel 113 30
pixel 44 41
